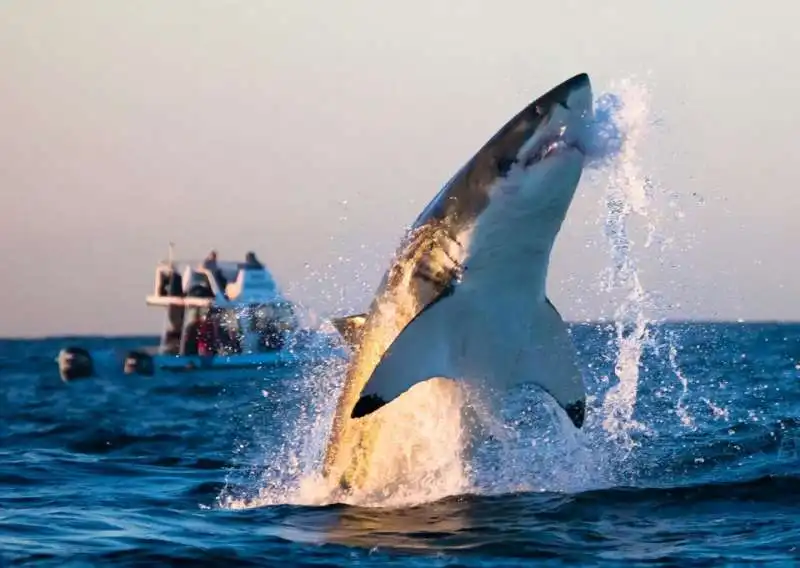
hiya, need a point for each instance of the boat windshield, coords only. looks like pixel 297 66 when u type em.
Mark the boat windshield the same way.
pixel 230 270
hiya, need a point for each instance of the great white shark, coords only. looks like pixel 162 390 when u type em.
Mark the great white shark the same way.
pixel 465 296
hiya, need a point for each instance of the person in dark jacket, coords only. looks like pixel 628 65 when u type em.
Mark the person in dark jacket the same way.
pixel 250 261
pixel 206 337
pixel 210 264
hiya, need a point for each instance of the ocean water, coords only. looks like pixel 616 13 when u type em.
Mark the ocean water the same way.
pixel 690 455
pixel 131 471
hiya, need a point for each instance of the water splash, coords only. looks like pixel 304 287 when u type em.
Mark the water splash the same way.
pixel 627 195
pixel 680 408
pixel 282 470
pixel 414 445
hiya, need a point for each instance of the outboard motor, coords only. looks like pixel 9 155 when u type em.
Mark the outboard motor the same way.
pixel 75 363
pixel 138 363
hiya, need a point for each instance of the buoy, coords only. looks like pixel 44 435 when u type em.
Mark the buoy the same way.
pixel 138 363
pixel 75 363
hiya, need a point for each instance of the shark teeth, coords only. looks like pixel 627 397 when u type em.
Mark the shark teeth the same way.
pixel 549 147
pixel 553 147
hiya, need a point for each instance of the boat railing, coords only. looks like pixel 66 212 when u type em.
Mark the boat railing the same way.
pixel 198 286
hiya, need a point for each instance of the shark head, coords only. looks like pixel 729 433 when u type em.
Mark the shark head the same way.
pixel 517 163
pixel 525 179
pixel 526 174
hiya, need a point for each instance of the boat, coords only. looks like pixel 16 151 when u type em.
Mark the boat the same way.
pixel 223 316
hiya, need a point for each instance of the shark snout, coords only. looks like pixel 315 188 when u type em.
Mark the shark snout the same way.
pixel 566 116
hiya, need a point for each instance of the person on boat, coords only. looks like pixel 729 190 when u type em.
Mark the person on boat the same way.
pixel 210 264
pixel 272 337
pixel 170 283
pixel 226 331
pixel 191 334
pixel 231 342
pixel 206 337
pixel 250 261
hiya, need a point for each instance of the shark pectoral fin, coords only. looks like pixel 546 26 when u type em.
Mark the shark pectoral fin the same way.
pixel 350 327
pixel 556 367
pixel 417 354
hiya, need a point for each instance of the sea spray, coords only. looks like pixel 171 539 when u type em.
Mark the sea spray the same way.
pixel 627 195
pixel 630 205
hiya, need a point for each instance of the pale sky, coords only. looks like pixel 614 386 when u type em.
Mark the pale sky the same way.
pixel 313 132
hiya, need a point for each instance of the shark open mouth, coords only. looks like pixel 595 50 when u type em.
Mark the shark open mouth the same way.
pixel 553 146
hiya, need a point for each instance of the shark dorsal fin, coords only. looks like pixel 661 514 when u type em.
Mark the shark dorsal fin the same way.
pixel 349 327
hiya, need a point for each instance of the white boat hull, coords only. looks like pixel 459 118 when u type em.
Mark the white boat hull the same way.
pixel 187 363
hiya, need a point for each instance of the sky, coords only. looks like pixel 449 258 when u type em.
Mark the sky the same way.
pixel 314 132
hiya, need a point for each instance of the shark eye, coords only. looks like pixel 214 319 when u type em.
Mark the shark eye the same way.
pixel 503 165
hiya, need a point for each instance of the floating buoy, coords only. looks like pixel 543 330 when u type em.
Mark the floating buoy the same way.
pixel 138 363
pixel 75 363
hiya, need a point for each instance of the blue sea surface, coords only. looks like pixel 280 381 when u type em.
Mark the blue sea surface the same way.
pixel 696 462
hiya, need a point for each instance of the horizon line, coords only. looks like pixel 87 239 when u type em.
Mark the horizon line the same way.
pixel 599 321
